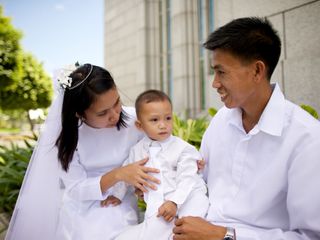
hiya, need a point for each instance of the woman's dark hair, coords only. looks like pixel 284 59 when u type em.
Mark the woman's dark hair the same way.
pixel 249 39
pixel 88 82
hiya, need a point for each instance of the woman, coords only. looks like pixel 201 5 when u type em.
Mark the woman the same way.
pixel 91 142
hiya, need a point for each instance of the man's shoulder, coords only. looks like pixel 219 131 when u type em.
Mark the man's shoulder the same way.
pixel 222 116
pixel 300 117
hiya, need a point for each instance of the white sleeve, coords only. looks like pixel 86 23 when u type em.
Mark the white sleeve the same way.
pixel 120 189
pixel 205 156
pixel 78 185
pixel 186 176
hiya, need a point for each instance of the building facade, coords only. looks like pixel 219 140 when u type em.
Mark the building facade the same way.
pixel 158 44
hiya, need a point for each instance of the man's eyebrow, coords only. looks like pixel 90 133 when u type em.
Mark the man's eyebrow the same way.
pixel 215 67
pixel 218 66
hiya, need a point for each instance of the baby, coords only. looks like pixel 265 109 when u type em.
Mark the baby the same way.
pixel 182 191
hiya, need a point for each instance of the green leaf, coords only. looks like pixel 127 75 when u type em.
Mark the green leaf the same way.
pixel 212 111
pixel 310 110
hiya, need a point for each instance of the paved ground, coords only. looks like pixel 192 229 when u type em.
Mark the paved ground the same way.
pixel 4 222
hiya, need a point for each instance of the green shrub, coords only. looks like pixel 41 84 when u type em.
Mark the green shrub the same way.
pixel 190 130
pixel 13 164
pixel 310 110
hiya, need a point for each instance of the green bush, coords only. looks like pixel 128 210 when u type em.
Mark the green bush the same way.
pixel 310 110
pixel 13 164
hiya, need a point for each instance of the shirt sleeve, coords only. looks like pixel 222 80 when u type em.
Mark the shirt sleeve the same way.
pixel 186 176
pixel 205 157
pixel 78 185
pixel 120 189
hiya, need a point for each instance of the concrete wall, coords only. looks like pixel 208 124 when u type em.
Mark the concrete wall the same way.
pixel 132 47
pixel 298 23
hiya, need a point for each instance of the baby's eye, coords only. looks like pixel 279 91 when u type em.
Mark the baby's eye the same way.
pixel 154 119
pixel 169 118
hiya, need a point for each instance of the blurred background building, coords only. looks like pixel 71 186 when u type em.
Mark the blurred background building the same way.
pixel 158 44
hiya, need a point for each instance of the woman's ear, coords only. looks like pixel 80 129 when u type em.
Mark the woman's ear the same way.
pixel 138 125
pixel 82 118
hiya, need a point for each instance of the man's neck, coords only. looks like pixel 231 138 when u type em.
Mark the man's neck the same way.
pixel 252 113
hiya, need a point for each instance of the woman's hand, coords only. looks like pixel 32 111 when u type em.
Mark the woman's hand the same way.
pixel 136 174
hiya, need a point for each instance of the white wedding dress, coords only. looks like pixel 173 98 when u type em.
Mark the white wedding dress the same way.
pixel 53 204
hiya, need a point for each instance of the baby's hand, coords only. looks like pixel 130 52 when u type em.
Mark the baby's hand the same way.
pixel 139 194
pixel 110 200
pixel 167 210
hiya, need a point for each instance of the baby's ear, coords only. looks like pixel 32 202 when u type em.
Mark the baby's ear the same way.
pixel 138 124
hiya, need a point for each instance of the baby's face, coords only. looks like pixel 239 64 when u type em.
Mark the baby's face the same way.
pixel 155 119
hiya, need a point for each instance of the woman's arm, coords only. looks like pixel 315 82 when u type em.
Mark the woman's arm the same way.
pixel 135 174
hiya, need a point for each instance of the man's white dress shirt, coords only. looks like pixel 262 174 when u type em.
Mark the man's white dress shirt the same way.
pixel 265 183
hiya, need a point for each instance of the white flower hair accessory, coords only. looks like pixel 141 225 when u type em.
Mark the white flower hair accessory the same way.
pixel 64 75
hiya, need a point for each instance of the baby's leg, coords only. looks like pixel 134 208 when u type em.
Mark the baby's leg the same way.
pixel 131 232
pixel 196 204
pixel 151 228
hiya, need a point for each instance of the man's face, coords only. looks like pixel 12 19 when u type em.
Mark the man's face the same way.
pixel 233 79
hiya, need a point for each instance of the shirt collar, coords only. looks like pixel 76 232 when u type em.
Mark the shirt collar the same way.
pixel 147 142
pixel 272 117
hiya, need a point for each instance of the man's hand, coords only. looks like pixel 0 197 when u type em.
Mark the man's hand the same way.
pixel 110 200
pixel 168 211
pixel 196 228
pixel 201 164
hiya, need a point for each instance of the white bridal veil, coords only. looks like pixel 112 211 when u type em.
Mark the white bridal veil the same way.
pixel 36 212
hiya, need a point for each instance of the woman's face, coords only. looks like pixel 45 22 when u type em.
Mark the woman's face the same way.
pixel 105 111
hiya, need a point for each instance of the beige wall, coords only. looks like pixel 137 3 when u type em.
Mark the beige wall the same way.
pixel 132 47
pixel 298 23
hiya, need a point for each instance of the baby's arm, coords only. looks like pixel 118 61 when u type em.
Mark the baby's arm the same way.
pixel 186 175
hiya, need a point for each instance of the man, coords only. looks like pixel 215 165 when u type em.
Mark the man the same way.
pixel 262 151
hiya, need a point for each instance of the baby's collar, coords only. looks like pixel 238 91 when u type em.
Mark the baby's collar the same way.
pixel 148 142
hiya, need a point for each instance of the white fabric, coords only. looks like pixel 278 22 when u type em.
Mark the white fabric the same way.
pixel 178 161
pixel 98 152
pixel 265 182
pixel 36 212
pixel 180 184
pixel 159 230
pixel 154 198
